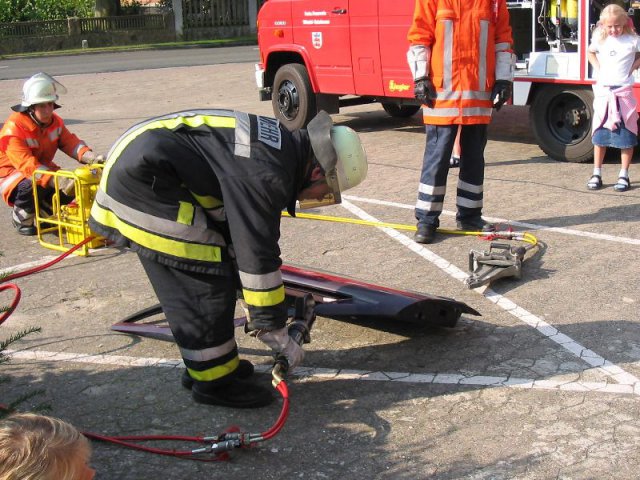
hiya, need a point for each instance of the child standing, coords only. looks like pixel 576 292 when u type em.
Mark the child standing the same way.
pixel 38 447
pixel 613 53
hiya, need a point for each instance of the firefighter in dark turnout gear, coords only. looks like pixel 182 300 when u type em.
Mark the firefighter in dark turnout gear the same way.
pixel 198 195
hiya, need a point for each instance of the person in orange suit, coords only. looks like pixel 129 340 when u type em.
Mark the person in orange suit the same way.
pixel 29 140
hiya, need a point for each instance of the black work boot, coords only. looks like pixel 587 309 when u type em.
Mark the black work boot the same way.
pixel 475 224
pixel 27 230
pixel 245 370
pixel 235 393
pixel 425 233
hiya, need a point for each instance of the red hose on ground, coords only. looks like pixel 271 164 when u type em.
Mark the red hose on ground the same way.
pixel 128 441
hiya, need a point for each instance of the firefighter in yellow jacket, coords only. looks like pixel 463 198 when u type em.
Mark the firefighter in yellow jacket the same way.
pixel 29 140
pixel 462 64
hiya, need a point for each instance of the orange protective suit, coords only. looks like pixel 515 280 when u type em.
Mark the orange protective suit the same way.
pixel 26 147
pixel 469 45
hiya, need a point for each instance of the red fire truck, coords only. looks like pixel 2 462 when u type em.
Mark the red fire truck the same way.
pixel 326 54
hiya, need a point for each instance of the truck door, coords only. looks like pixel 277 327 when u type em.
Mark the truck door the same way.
pixel 395 20
pixel 365 46
pixel 321 27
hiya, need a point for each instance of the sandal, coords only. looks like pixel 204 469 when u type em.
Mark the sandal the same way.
pixel 622 185
pixel 595 182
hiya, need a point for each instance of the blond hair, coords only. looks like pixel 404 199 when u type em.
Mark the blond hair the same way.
pixel 36 447
pixel 617 12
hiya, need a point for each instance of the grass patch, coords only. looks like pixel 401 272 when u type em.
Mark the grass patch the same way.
pixel 222 42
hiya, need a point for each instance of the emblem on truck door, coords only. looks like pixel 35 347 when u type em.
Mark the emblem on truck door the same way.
pixel 316 39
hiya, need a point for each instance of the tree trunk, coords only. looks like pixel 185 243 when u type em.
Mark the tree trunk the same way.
pixel 106 8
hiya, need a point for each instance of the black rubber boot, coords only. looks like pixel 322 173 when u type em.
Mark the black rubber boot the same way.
pixel 475 224
pixel 245 370
pixel 27 230
pixel 425 233
pixel 234 394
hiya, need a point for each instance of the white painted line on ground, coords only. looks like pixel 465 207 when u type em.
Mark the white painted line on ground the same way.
pixel 566 342
pixel 26 266
pixel 336 374
pixel 532 226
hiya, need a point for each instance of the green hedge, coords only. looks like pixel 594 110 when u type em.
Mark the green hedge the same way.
pixel 38 10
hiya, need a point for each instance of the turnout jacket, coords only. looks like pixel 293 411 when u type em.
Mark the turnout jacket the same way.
pixel 469 47
pixel 181 188
pixel 26 147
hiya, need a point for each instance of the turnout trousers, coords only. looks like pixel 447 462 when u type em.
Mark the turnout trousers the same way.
pixel 24 207
pixel 435 167
pixel 200 309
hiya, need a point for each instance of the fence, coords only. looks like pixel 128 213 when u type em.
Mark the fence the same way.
pixel 28 29
pixel 129 22
pixel 72 26
pixel 215 13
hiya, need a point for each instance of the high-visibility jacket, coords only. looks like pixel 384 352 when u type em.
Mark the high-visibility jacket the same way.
pixel 26 147
pixel 180 188
pixel 467 40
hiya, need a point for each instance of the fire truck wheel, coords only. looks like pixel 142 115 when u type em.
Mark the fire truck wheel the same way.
pixel 293 100
pixel 561 122
pixel 400 111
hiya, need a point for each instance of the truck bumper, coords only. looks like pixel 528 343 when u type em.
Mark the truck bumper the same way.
pixel 264 93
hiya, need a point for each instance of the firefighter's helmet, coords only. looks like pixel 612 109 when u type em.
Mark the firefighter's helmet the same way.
pixel 40 88
pixel 339 152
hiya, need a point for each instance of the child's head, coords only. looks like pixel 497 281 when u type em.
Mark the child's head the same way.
pixel 614 22
pixel 36 447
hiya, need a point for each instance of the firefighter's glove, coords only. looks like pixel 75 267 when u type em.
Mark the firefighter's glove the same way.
pixel 90 157
pixel 424 91
pixel 282 344
pixel 501 93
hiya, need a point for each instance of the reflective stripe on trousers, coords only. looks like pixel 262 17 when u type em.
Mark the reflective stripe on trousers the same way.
pixel 200 310
pixel 435 167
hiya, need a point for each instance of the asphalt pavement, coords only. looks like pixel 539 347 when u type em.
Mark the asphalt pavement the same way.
pixel 544 385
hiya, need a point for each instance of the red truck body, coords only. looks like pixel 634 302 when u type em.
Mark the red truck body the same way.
pixel 323 55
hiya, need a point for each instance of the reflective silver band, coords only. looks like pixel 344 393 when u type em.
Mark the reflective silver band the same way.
pixel 6 182
pixel 432 190
pixel 429 206
pixel 482 55
pixel 243 135
pixel 208 353
pixel 465 202
pixel 162 226
pixel 447 82
pixel 469 187
pixel 267 281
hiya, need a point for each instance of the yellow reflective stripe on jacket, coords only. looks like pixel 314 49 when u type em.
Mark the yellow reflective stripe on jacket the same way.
pixel 185 213
pixel 192 251
pixel 207 201
pixel 265 298
pixel 216 372
pixel 195 121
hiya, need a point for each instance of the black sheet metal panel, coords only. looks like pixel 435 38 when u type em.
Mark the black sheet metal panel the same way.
pixel 347 299
pixel 339 298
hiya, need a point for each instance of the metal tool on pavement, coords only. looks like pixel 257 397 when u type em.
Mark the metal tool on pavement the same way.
pixel 501 260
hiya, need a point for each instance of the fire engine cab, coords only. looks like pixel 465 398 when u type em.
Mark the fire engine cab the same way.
pixel 326 54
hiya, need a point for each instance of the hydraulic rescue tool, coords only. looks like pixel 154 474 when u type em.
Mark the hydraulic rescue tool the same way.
pixel 502 260
pixel 68 223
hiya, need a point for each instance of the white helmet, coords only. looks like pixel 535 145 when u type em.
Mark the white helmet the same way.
pixel 41 88
pixel 339 152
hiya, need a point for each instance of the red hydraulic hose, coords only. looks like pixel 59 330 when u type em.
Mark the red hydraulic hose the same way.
pixel 129 441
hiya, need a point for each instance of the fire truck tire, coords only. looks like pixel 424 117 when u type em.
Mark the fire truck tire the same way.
pixel 561 123
pixel 400 111
pixel 293 100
